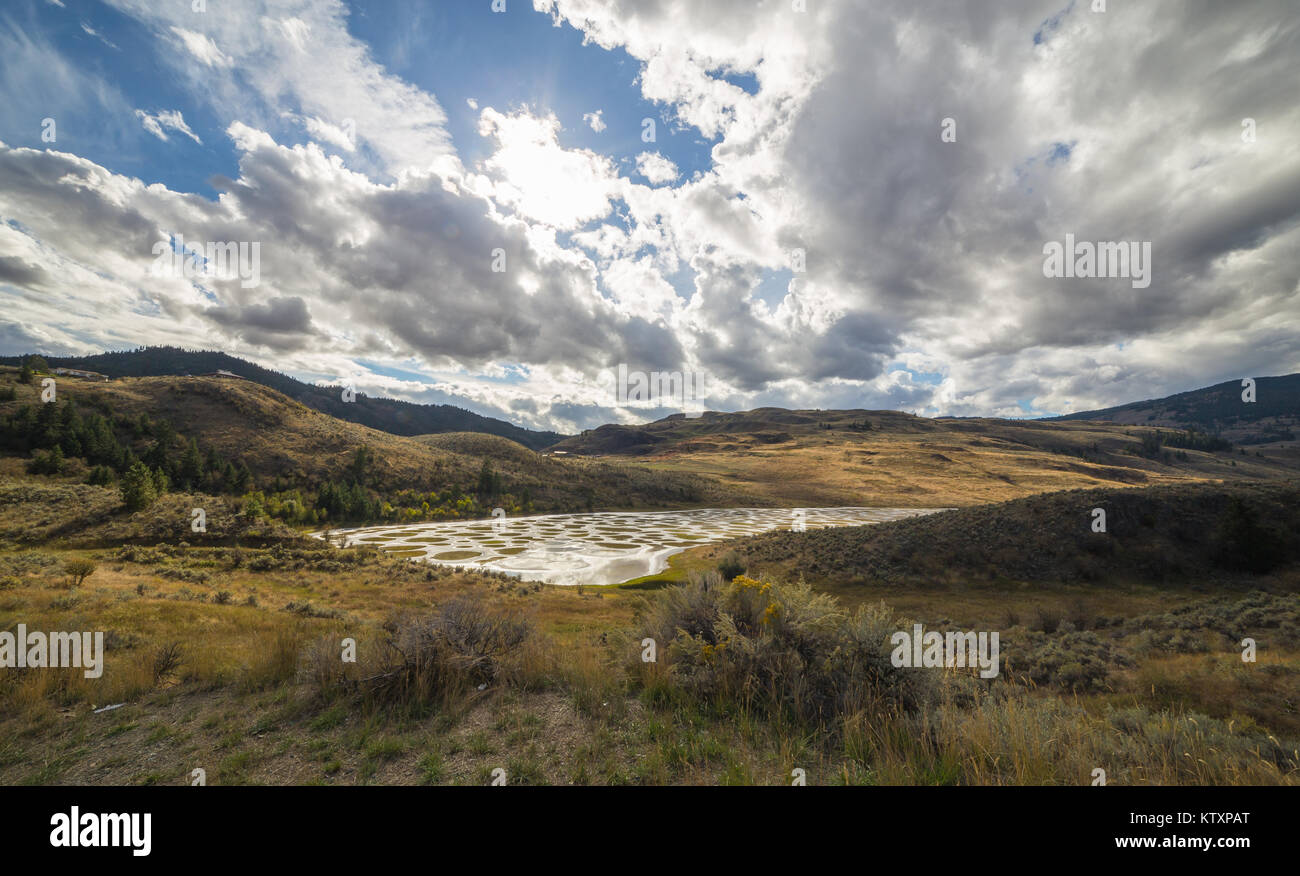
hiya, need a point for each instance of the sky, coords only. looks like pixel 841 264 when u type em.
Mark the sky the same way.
pixel 533 209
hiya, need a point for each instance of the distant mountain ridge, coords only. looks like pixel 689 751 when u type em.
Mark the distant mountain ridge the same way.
pixel 388 415
pixel 1217 410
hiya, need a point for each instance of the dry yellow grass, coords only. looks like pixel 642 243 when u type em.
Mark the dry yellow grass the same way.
pixel 789 458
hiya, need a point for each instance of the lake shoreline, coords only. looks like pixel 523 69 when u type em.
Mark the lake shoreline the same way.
pixel 594 548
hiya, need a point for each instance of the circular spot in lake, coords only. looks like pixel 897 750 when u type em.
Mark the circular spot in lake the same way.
pixel 456 555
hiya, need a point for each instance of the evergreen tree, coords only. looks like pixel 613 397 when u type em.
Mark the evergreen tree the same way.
pixel 243 478
pixel 191 466
pixel 488 483
pixel 138 490
pixel 48 462
pixel 361 464
pixel 100 476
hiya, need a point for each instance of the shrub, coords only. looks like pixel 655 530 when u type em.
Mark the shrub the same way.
pixel 730 566
pixel 443 656
pixel 79 570
pixel 1046 620
pixel 167 659
pixel 1074 661
pixel 1242 543
pixel 782 649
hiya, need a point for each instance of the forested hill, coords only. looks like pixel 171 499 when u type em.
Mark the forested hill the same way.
pixel 1217 410
pixel 388 415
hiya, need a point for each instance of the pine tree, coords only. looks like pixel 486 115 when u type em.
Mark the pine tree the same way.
pixel 100 476
pixel 191 466
pixel 361 464
pixel 138 490
pixel 488 483
pixel 243 478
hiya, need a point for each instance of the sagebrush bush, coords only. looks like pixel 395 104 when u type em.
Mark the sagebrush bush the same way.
pixel 1073 661
pixel 781 649
pixel 730 566
pixel 432 659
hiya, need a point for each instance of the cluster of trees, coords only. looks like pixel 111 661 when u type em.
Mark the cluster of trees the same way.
pixel 112 444
pixel 349 499
pixel 346 501
pixel 32 366
pixel 855 426
pixel 148 458
pixel 1153 443
pixel 1195 440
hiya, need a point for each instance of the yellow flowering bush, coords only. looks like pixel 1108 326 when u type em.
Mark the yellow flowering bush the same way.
pixel 780 647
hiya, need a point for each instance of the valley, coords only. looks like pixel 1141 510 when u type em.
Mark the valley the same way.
pixel 703 537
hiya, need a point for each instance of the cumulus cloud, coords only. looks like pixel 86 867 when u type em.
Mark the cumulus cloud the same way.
pixel 656 168
pixel 595 121
pixel 924 247
pixel 543 181
pixel 834 250
pixel 321 130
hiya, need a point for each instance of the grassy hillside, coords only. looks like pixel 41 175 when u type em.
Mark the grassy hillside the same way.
pixel 1120 650
pixel 1171 535
pixel 896 459
pixel 227 658
pixel 388 415
pixel 1273 417
pixel 292 453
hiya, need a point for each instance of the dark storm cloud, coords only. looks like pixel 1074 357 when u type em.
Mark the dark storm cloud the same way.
pixel 20 273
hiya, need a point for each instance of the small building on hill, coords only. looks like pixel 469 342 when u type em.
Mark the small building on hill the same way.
pixel 77 372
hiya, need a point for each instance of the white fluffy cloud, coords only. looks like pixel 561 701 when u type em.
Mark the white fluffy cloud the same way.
pixel 1099 126
pixel 656 168
pixel 835 251
pixel 563 188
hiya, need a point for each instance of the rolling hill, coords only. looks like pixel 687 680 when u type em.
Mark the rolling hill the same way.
pixel 1218 410
pixel 388 415
pixel 286 445
pixel 861 457
pixel 1175 535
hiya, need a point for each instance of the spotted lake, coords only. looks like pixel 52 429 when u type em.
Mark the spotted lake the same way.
pixel 598 548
